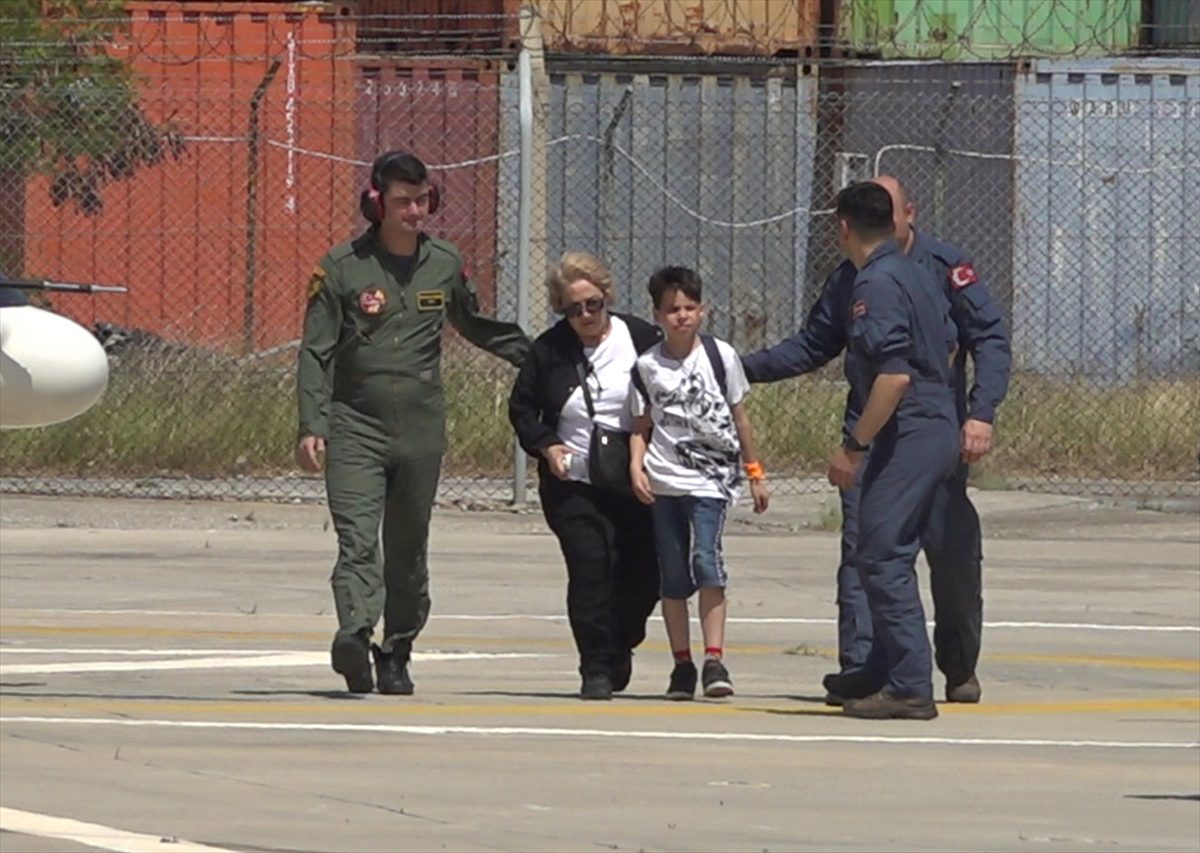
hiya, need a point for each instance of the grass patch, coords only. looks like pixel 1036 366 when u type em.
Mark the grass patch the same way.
pixel 479 438
pixel 797 423
pixel 1050 429
pixel 987 480
pixel 829 519
pixel 206 416
pixel 1078 429
pixel 203 416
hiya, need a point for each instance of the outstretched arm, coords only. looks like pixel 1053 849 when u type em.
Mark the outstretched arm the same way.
pixel 506 340
pixel 819 341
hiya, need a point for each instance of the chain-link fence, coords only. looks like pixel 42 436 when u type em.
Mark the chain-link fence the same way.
pixel 1072 183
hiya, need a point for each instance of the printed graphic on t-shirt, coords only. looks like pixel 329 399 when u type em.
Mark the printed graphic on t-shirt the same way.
pixel 711 448
pixel 694 448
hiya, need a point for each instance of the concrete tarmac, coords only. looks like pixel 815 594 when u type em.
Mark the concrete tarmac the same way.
pixel 164 685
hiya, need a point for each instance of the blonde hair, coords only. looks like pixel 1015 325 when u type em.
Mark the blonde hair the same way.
pixel 572 267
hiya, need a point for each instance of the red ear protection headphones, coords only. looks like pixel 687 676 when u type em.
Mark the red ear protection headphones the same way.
pixel 371 201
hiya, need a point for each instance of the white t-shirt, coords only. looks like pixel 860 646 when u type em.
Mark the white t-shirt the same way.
pixel 694 448
pixel 608 367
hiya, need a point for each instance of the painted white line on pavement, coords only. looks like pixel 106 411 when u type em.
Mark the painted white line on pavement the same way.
pixel 233 662
pixel 528 731
pixel 96 835
pixel 543 617
pixel 1090 626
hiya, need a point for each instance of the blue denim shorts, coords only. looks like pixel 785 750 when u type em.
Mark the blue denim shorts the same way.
pixel 687 533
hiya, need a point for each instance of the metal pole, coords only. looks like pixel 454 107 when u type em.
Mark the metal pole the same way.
pixel 609 247
pixel 939 162
pixel 524 221
pixel 252 209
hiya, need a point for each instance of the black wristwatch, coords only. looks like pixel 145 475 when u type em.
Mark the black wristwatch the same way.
pixel 852 444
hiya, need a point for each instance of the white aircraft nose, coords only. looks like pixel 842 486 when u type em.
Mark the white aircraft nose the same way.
pixel 51 368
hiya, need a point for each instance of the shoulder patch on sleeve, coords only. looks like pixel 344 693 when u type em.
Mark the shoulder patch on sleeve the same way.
pixel 962 276
pixel 316 281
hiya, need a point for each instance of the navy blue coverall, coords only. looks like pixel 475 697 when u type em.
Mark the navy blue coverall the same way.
pixel 899 323
pixel 952 537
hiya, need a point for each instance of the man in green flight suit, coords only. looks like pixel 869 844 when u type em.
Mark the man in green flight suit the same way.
pixel 372 410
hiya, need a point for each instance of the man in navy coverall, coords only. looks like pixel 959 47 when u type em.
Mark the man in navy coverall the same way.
pixel 900 341
pixel 952 537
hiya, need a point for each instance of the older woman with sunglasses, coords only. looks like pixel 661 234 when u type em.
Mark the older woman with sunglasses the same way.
pixel 606 535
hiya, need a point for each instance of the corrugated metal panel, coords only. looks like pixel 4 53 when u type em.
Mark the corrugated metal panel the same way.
pixel 176 233
pixel 988 29
pixel 946 132
pixel 1174 23
pixel 447 114
pixel 431 26
pixel 738 27
pixel 702 170
pixel 1106 264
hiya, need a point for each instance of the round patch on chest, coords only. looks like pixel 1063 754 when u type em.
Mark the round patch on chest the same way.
pixel 372 300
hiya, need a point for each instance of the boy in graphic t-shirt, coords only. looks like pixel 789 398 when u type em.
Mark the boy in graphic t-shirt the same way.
pixel 691 442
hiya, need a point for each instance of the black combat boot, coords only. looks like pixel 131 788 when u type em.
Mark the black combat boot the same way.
pixel 597 686
pixel 351 660
pixel 391 672
pixel 622 671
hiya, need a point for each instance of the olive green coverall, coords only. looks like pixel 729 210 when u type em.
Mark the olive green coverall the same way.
pixel 369 383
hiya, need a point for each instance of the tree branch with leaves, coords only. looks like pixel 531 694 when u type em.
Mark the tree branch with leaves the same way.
pixel 68 107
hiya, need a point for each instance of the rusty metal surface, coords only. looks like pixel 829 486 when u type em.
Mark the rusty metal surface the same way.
pixel 682 27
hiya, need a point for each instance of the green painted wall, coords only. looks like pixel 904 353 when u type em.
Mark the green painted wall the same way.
pixel 988 29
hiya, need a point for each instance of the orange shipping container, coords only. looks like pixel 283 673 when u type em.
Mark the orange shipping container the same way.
pixel 216 244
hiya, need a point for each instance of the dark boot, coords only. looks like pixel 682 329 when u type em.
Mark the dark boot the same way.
pixel 964 691
pixel 622 671
pixel 391 672
pixel 884 706
pixel 596 686
pixel 350 658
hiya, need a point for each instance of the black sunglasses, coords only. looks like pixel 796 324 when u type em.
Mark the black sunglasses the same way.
pixel 591 306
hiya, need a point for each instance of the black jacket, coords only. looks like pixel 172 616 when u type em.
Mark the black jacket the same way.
pixel 548 378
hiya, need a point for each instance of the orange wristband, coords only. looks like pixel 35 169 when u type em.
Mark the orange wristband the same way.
pixel 754 471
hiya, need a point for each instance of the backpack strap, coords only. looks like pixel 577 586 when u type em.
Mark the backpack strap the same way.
pixel 718 363
pixel 582 372
pixel 639 383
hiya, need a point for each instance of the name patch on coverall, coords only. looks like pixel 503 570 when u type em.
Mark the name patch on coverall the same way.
pixel 431 300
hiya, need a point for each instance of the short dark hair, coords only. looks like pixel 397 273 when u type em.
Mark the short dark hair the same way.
pixel 685 280
pixel 867 209
pixel 398 167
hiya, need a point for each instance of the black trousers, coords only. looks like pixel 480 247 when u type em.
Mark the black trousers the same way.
pixel 953 545
pixel 612 570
